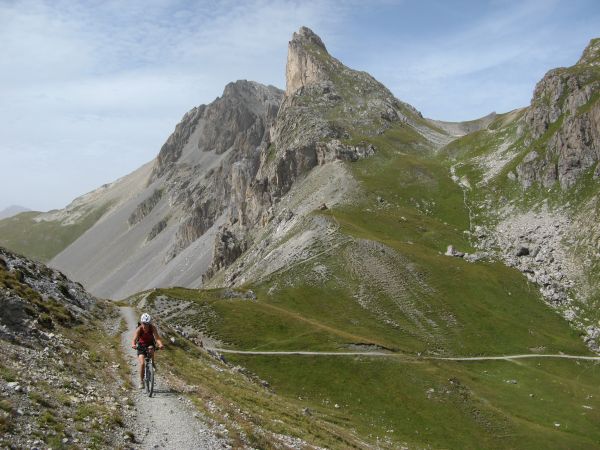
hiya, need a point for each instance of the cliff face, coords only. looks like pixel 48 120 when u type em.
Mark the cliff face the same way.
pixel 302 67
pixel 194 184
pixel 235 128
pixel 563 124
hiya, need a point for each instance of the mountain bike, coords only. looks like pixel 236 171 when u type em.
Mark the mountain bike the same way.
pixel 148 369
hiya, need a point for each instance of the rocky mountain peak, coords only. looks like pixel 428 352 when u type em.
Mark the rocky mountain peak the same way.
pixel 229 121
pixel 245 89
pixel 238 87
pixel 591 54
pixel 305 34
pixel 305 65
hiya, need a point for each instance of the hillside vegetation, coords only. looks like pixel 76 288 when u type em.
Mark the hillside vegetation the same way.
pixel 391 288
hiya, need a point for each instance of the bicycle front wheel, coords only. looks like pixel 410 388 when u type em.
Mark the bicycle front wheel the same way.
pixel 151 387
pixel 147 377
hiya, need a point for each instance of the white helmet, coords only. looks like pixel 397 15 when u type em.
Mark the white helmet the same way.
pixel 146 318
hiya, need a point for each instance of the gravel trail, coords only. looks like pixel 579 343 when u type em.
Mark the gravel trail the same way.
pixel 166 420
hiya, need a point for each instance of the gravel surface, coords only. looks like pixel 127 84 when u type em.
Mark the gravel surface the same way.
pixel 167 420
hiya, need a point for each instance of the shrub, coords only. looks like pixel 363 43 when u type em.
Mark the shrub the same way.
pixel 45 321
pixel 5 405
pixel 19 275
pixel 5 422
pixel 64 290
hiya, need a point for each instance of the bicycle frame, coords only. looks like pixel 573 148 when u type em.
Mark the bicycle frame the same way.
pixel 148 370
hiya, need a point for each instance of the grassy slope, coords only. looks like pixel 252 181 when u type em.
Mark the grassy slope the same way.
pixel 482 308
pixel 45 239
pixel 446 405
pixel 580 201
pixel 251 412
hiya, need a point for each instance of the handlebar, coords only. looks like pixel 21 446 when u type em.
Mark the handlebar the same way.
pixel 141 347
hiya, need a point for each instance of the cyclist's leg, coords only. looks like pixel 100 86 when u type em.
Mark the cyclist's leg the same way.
pixel 141 366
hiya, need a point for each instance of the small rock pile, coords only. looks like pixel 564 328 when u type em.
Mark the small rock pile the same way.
pixel 534 244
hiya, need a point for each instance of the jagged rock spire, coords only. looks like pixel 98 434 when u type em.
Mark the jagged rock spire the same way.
pixel 306 52
pixel 591 54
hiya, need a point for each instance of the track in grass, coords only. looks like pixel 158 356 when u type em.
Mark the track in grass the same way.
pixel 458 358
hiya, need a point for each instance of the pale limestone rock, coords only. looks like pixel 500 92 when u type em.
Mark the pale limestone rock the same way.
pixel 303 67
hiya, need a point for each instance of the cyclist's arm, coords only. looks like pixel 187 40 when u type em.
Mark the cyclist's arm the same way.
pixel 157 337
pixel 136 336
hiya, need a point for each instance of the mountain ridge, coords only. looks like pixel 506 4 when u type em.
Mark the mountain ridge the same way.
pixel 243 146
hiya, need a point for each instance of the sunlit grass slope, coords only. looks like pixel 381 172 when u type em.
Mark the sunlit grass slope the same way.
pixel 547 404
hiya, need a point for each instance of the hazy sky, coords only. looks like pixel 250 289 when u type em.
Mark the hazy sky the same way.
pixel 89 91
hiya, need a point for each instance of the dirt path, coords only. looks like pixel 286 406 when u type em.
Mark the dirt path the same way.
pixel 397 355
pixel 509 357
pixel 245 352
pixel 166 420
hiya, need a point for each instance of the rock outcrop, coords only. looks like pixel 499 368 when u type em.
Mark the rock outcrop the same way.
pixel 237 126
pixel 563 125
pixel 145 207
pixel 552 149
pixel 36 299
pixel 171 150
pixel 228 248
pixel 303 66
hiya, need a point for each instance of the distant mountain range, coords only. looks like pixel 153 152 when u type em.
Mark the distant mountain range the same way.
pixel 12 210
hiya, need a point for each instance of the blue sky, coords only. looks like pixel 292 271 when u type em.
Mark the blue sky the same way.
pixel 90 90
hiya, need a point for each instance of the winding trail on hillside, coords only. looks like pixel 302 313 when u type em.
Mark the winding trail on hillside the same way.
pixel 410 357
pixel 166 420
pixel 510 357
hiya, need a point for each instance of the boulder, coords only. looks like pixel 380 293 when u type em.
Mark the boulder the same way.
pixel 451 251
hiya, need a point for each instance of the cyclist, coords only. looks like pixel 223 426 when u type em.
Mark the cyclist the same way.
pixel 145 339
